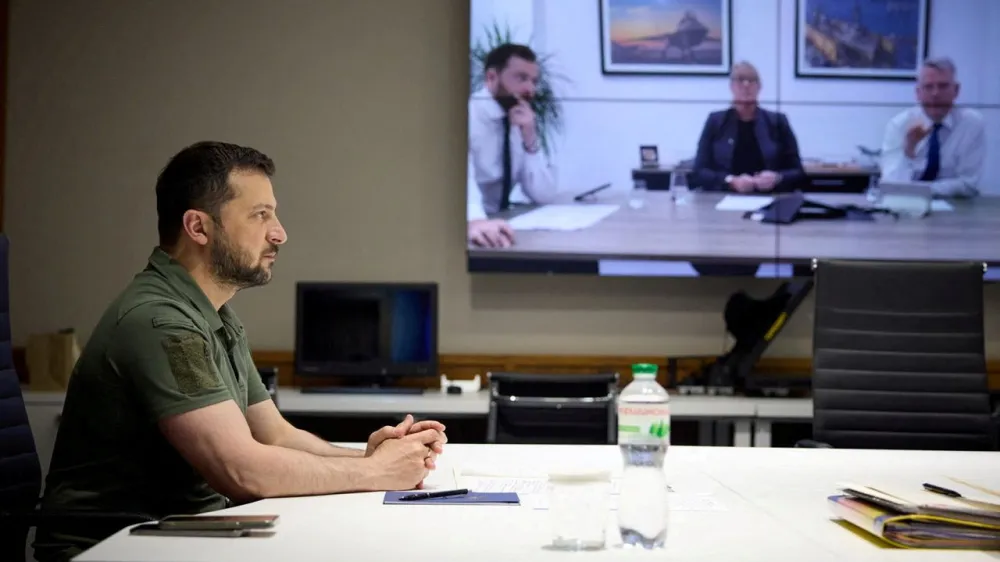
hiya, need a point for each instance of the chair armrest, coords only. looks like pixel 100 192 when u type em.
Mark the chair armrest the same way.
pixel 812 444
pixel 101 519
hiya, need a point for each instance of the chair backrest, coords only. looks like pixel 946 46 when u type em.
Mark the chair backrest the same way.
pixel 898 356
pixel 20 471
pixel 553 409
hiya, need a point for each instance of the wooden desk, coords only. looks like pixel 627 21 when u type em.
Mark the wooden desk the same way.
pixel 696 231
pixel 847 178
pixel 820 178
pixel 970 232
pixel 660 230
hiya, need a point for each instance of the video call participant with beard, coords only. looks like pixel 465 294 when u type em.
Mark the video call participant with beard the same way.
pixel 165 411
pixel 506 163
pixel 935 141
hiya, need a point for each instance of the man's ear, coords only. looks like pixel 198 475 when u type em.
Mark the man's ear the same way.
pixel 197 226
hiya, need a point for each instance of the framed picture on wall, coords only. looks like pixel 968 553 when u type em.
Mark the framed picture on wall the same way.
pixel 883 39
pixel 689 37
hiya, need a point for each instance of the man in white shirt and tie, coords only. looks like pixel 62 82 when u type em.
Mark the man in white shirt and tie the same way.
pixel 506 163
pixel 935 141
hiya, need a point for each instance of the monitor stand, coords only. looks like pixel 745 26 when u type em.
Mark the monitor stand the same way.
pixel 383 386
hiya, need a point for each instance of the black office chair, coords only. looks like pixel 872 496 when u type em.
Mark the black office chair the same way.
pixel 20 470
pixel 898 357
pixel 553 409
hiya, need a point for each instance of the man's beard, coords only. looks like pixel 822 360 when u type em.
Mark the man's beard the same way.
pixel 233 267
pixel 507 99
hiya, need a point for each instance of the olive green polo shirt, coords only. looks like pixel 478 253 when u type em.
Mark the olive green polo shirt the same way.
pixel 160 349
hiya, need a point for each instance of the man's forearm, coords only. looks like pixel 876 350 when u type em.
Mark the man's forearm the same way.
pixel 304 441
pixel 895 165
pixel 271 471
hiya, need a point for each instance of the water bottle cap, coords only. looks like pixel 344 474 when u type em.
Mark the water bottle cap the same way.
pixel 644 370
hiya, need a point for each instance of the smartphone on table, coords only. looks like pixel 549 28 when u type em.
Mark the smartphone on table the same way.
pixel 154 529
pixel 207 525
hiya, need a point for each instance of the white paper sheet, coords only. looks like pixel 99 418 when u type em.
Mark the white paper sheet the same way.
pixel 562 217
pixel 676 501
pixel 533 492
pixel 743 202
pixel 522 486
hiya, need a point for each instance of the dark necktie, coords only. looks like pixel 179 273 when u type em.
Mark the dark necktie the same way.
pixel 933 156
pixel 508 183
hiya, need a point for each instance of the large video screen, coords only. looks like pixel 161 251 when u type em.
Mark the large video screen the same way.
pixel 731 137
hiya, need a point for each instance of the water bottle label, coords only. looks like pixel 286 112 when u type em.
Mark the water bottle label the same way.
pixel 644 422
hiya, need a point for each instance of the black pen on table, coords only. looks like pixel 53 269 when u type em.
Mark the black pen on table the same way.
pixel 942 491
pixel 430 495
pixel 583 196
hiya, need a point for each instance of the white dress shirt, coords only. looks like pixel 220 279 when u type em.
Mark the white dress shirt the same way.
pixel 533 178
pixel 963 151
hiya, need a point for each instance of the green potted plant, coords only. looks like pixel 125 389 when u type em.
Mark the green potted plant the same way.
pixel 547 106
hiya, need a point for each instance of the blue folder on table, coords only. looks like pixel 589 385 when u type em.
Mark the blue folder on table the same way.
pixel 472 498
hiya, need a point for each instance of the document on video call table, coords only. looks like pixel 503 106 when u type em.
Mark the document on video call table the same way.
pixel 533 491
pixel 743 202
pixel 562 217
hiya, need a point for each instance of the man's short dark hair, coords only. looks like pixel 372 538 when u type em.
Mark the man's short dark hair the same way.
pixel 197 178
pixel 498 58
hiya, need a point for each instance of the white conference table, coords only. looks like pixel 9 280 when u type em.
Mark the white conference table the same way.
pixel 773 509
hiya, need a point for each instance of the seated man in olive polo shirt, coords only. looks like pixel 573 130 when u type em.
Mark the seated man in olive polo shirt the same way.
pixel 165 411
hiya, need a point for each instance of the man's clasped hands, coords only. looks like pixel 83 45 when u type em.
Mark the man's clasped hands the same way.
pixel 406 452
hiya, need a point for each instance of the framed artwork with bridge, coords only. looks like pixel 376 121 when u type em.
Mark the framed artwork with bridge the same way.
pixel 861 39
pixel 689 37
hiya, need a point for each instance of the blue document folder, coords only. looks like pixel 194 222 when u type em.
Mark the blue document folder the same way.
pixel 472 498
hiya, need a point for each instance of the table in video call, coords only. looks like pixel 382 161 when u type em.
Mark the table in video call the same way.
pixel 696 230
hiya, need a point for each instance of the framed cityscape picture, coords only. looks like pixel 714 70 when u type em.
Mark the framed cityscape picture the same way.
pixel 861 39
pixel 692 37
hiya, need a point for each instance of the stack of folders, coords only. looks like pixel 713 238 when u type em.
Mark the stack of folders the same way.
pixel 944 514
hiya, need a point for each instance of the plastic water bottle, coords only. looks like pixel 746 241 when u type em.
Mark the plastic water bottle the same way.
pixel 643 438
pixel 637 199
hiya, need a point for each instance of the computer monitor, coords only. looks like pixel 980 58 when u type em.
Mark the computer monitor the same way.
pixel 369 332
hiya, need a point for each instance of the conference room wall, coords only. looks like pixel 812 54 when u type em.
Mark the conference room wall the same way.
pixel 830 117
pixel 961 30
pixel 362 104
pixel 763 32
